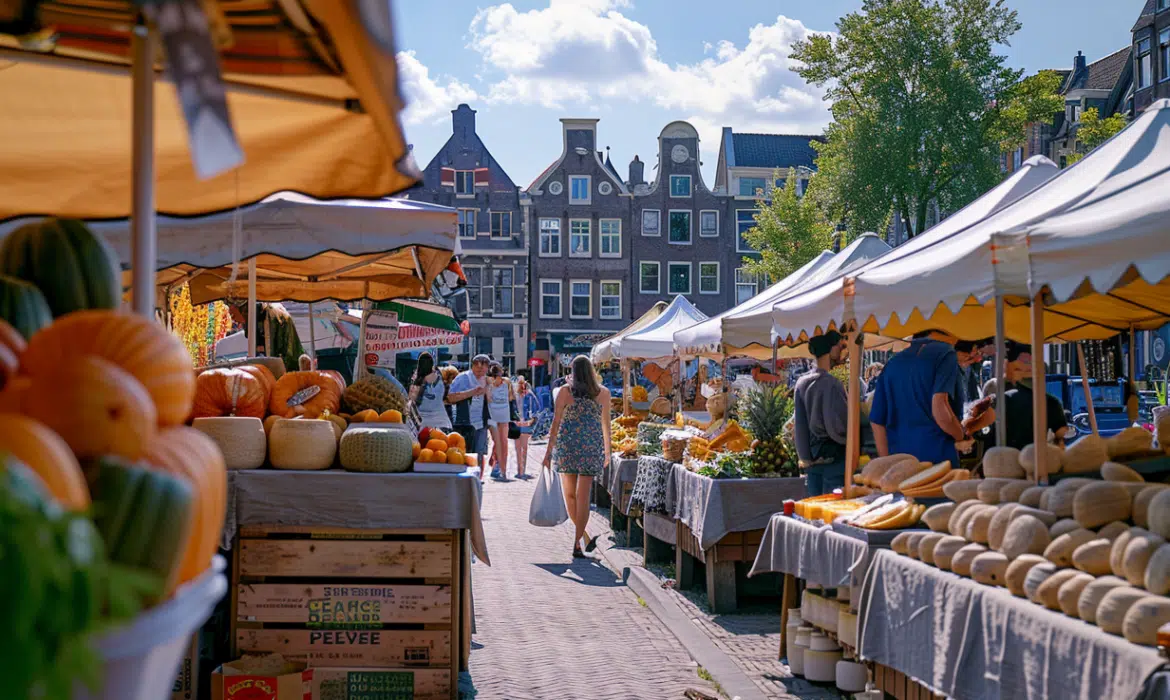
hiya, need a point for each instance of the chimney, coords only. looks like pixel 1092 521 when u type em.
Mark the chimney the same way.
pixel 637 171
pixel 1079 63
pixel 463 120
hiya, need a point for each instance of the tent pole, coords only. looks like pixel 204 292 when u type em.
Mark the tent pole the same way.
pixel 251 307
pixel 625 386
pixel 853 434
pixel 1039 394
pixel 1000 356
pixel 1085 387
pixel 144 244
pixel 775 368
pixel 1132 378
pixel 313 336
pixel 359 365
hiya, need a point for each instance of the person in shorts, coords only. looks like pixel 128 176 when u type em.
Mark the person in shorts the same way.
pixel 466 394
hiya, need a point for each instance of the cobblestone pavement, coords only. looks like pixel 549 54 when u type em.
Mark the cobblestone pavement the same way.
pixel 551 628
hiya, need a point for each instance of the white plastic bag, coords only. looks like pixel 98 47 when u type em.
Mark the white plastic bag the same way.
pixel 548 503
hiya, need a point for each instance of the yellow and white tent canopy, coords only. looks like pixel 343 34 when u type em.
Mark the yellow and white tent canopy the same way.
pixel 604 351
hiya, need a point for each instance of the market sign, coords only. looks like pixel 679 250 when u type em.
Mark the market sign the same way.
pixel 385 338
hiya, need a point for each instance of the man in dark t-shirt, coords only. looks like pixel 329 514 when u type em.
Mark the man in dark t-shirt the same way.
pixel 1018 416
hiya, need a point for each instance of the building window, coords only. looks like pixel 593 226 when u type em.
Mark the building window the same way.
pixel 580 238
pixel 1164 54
pixel 502 298
pixel 609 234
pixel 680 185
pixel 1017 159
pixel 550 237
pixel 467 223
pixel 1163 5
pixel 650 222
pixel 580 299
pixel 678 278
pixel 752 186
pixel 1142 76
pixel 579 192
pixel 708 224
pixel 465 182
pixel 746 285
pixel 611 299
pixel 1076 113
pixel 474 288
pixel 550 298
pixel 648 278
pixel 501 224
pixel 680 227
pixel 745 220
pixel 708 278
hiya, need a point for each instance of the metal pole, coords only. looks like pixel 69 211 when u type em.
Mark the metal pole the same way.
pixel 1039 394
pixel 251 331
pixel 143 245
pixel 1000 357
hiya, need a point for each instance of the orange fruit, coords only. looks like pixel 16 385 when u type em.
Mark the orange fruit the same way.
pixel 426 455
pixel 437 434
pixel 471 460
pixel 391 416
pixel 415 449
pixel 436 445
pixel 454 456
pixel 456 440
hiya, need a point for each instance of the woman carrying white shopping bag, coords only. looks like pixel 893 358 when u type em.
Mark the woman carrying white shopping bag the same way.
pixel 580 441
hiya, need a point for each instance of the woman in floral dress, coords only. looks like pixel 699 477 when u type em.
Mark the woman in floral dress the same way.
pixel 580 442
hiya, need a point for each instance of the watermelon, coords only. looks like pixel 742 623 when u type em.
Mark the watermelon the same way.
pixel 23 306
pixel 73 267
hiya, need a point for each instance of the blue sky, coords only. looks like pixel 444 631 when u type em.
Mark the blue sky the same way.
pixel 640 64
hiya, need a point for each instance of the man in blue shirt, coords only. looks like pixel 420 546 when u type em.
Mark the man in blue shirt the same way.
pixel 912 408
pixel 466 393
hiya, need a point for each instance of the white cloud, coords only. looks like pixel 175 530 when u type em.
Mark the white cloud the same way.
pixel 429 99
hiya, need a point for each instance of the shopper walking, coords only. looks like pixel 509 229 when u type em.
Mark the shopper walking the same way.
pixel 428 393
pixel 527 406
pixel 499 417
pixel 467 396
pixel 580 442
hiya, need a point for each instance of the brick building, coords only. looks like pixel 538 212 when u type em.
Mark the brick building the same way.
pixel 1151 54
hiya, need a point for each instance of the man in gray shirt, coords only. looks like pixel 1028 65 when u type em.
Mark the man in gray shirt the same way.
pixel 821 416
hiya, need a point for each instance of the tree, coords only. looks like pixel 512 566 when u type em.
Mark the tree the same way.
pixel 1094 131
pixel 790 230
pixel 922 105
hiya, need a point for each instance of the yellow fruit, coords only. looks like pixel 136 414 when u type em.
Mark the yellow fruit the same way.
pixel 456 440
pixel 416 449
pixel 391 416
pixel 454 456
pixel 437 434
pixel 426 455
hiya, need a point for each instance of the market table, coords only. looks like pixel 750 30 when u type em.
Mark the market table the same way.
pixel 312 552
pixel 721 522
pixel 619 481
pixel 967 640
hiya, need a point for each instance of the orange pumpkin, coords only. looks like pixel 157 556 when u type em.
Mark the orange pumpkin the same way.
pixel 191 455
pixel 263 374
pixel 99 408
pixel 137 344
pixel 45 453
pixel 336 377
pixel 229 392
pixel 327 399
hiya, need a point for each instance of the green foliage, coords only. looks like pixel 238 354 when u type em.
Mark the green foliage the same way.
pixel 1094 131
pixel 921 106
pixel 1033 99
pixel 790 230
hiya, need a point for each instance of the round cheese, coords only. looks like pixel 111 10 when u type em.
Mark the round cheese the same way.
pixel 1037 575
pixel 1025 535
pixel 990 568
pixel 1143 619
pixel 302 444
pixel 1093 557
pixel 1048 593
pixel 241 439
pixel 1137 555
pixel 946 549
pixel 1098 504
pixel 1060 550
pixel 926 545
pixel 964 558
pixel 1070 592
pixel 938 517
pixel 1018 570
pixel 1002 462
pixel 999 524
pixel 1093 593
pixel 1114 606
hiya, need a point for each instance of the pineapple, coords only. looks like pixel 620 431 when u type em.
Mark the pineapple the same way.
pixel 764 410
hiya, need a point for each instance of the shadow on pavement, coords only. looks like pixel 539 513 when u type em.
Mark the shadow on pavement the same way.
pixel 584 571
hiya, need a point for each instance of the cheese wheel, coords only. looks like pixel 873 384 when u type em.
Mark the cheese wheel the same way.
pixel 1157 577
pixel 938 517
pixel 1143 619
pixel 1040 514
pixel 1031 496
pixel 241 439
pixel 1117 552
pixel 1114 606
pixel 1093 593
pixel 960 491
pixel 1059 501
pixel 1028 459
pixel 999 523
pixel 900 472
pixel 963 512
pixel 945 550
pixel 1002 462
pixel 1025 535
pixel 872 473
pixel 1060 550
pixel 1099 504
pixel 988 490
pixel 1048 593
pixel 1093 557
pixel 1013 490
pixel 1158 513
pixel 912 544
pixel 900 542
pixel 1037 575
pixel 926 545
pixel 1064 526
pixel 1070 592
pixel 1085 455
pixel 1018 570
pixel 979 523
pixel 990 568
pixel 1112 471
pixel 964 558
pixel 1112 531
pixel 1137 556
pixel 1141 503
pixel 302 444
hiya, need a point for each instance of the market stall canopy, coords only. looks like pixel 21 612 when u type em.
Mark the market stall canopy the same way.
pixel 833 303
pixel 657 339
pixel 705 338
pixel 604 351
pixel 422 313
pixel 312 90
pixel 328 333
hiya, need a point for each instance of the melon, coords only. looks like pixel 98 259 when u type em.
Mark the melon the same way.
pixel 1002 462
pixel 900 542
pixel 999 523
pixel 302 444
pixel 978 525
pixel 1017 572
pixel 1093 557
pixel 1037 575
pixel 1137 556
pixel 1115 604
pixel 945 550
pixel 964 558
pixel 1031 496
pixel 241 439
pixel 1070 592
pixel 900 472
pixel 1011 491
pixel 1042 515
pixel 959 491
pixel 72 267
pixel 990 568
pixel 1158 512
pixel 1025 535
pixel 1131 441
pixel 1097 504
pixel 1085 455
pixel 958 522
pixel 1113 530
pixel 912 544
pixel 1143 619
pixel 938 517
pixel 1048 592
pixel 1112 471
pixel 926 545
pixel 1092 594
pixel 1058 502
pixel 1063 527
pixel 1028 459
pixel 1157 578
pixel 1117 550
pixel 376 448
pixel 1072 483
pixel 23 306
pixel 1060 550
pixel 988 490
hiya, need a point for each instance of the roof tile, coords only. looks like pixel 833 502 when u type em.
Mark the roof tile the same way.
pixel 774 150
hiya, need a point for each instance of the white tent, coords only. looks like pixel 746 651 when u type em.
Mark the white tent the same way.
pixel 920 260
pixel 657 339
pixel 706 337
pixel 604 351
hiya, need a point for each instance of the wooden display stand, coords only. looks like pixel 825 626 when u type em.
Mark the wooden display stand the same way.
pixel 393 601
pixel 719 562
pixel 659 537
pixel 899 685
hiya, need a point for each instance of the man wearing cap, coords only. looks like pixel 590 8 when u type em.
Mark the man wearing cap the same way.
pixel 821 416
pixel 1017 403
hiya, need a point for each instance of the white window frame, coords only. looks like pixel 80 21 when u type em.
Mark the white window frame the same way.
pixel 589 239
pixel 657 275
pixel 763 191
pixel 573 296
pixel 690 226
pixel 690 277
pixel 588 190
pixel 718 284
pixel 602 296
pixel 740 274
pixel 503 314
pixel 470 193
pixel 470 310
pixel 474 223
pixel 738 249
pixel 1164 53
pixel 690 188
pixel 560 297
pixel 601 234
pixel 657 217
pixel 709 235
pixel 491 225
pixel 552 236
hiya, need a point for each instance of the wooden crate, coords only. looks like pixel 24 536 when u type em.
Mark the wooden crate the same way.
pixel 352 647
pixel 366 683
pixel 328 605
pixel 346 558
pixel 899 685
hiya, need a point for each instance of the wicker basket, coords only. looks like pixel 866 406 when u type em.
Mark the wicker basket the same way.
pixel 673 448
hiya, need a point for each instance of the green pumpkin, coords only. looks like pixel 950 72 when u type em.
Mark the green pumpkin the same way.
pixel 23 306
pixel 72 266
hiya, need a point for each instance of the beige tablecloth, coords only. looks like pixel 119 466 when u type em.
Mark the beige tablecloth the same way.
pixel 815 554
pixel 336 498
pixel 712 508
pixel 975 642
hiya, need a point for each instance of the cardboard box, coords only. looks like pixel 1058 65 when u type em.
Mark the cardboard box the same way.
pixel 186 681
pixel 381 684
pixel 269 677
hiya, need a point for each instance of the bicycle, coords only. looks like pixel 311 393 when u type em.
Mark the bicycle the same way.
pixel 542 427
